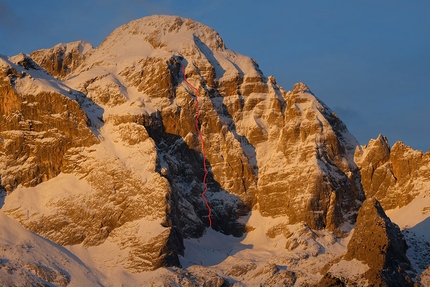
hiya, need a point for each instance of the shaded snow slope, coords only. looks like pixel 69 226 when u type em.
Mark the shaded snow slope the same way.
pixel 27 258
pixel 414 220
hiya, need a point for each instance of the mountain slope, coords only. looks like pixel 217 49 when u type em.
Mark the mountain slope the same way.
pixel 30 260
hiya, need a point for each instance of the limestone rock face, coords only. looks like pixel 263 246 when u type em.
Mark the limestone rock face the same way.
pixel 36 129
pixel 62 59
pixel 393 175
pixel 319 177
pixel 378 243
pixel 80 192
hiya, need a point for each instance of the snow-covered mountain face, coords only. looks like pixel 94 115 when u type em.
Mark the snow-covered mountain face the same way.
pixel 99 151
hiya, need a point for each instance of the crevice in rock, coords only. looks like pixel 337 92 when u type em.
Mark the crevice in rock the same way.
pixel 183 168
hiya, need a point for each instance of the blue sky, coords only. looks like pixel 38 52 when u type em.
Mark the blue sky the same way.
pixel 368 60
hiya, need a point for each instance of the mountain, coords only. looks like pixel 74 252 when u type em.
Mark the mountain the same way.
pixel 100 154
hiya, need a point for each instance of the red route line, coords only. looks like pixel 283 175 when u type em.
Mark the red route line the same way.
pixel 203 146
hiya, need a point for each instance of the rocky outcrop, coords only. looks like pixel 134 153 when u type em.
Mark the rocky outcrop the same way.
pixel 155 76
pixel 36 130
pixel 62 59
pixel 393 175
pixel 378 243
pixel 317 174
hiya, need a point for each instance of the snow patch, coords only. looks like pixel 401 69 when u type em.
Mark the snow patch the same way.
pixel 349 269
pixel 37 200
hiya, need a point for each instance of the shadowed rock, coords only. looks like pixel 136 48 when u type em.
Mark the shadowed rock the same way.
pixel 378 243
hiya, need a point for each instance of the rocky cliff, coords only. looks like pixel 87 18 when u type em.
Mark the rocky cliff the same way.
pixel 394 175
pixel 62 59
pixel 37 128
pixel 99 149
pixel 377 243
